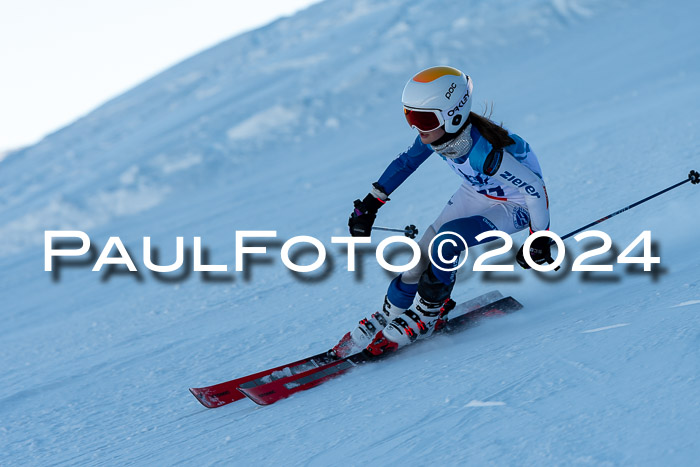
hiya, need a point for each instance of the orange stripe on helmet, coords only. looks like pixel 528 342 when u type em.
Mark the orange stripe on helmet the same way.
pixel 431 74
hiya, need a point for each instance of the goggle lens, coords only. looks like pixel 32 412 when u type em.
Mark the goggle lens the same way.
pixel 423 120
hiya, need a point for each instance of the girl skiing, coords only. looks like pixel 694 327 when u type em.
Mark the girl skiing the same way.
pixel 502 189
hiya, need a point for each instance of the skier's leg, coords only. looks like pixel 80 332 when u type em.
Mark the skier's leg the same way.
pixel 402 290
pixel 431 288
pixel 436 283
pixel 399 296
pixel 507 217
pixel 445 251
pixel 357 339
pixel 412 276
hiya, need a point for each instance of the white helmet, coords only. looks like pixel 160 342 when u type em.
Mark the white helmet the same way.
pixel 437 96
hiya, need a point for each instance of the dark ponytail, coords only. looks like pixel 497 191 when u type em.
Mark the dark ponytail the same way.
pixel 494 133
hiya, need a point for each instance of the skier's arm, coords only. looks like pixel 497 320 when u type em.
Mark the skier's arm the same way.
pixel 401 167
pixel 365 211
pixel 503 165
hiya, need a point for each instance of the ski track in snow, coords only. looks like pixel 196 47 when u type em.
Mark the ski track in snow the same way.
pixel 96 367
pixel 688 303
pixel 605 328
pixel 476 403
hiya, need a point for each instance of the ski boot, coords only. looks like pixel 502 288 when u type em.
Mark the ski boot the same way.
pixel 442 319
pixel 357 339
pixel 411 325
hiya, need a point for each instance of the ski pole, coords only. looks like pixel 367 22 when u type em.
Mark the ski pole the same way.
pixel 693 177
pixel 410 230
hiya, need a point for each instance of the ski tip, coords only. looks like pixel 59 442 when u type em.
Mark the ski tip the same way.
pixel 199 395
pixel 252 396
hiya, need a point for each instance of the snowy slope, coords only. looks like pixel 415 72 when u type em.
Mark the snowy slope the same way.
pixel 603 371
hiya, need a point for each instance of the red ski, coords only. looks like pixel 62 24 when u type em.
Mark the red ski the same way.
pixel 277 389
pixel 269 393
pixel 227 392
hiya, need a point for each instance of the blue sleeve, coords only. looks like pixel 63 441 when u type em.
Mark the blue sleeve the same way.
pixel 522 151
pixel 404 165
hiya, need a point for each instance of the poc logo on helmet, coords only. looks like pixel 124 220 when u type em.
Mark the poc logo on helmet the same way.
pixel 449 92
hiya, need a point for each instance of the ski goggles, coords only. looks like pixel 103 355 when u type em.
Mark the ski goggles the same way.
pixel 424 120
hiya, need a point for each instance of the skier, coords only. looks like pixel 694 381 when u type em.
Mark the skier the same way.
pixel 502 189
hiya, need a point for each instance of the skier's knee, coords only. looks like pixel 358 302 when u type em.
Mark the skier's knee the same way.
pixel 468 228
pixel 454 237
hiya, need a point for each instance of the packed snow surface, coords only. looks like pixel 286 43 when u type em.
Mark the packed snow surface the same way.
pixel 281 129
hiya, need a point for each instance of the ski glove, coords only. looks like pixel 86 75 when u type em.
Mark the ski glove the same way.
pixel 362 217
pixel 540 252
